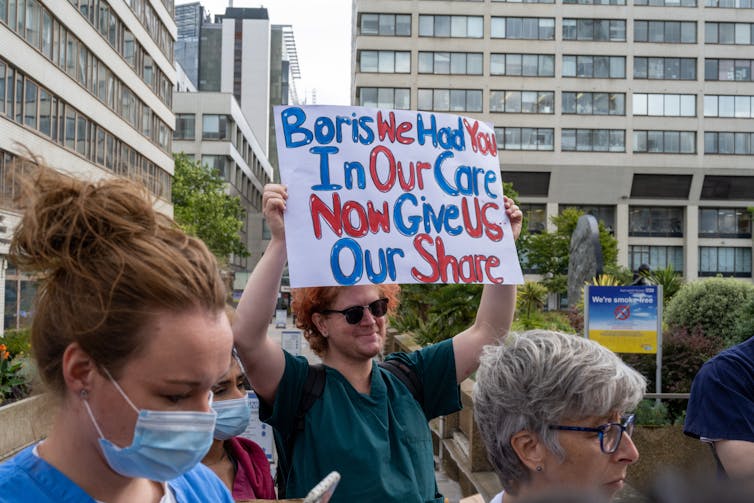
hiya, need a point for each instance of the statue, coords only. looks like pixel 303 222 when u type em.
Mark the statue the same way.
pixel 585 257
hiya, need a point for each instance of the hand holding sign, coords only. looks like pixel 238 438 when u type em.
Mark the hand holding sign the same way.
pixel 393 197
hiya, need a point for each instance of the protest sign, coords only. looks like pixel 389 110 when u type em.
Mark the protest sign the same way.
pixel 383 196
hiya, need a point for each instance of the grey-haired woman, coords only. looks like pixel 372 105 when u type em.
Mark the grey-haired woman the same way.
pixel 552 410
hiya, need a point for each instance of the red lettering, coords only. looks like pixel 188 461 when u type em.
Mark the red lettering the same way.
pixel 319 210
pixel 473 229
pixel 360 228
pixel 493 230
pixel 406 185
pixel 381 149
pixel 472 133
pixel 468 269
pixel 484 143
pixel 422 166
pixel 404 127
pixel 386 128
pixel 377 219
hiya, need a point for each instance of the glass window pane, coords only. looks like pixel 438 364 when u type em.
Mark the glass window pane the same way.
pixel 426 62
pixel 497 64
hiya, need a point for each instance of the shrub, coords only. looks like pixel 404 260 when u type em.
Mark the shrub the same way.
pixel 745 324
pixel 17 341
pixel 652 413
pixel 714 305
pixel 683 353
pixel 531 296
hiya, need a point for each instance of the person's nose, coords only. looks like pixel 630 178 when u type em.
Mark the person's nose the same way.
pixel 627 451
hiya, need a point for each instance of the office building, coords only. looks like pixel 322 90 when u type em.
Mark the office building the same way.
pixel 640 112
pixel 87 86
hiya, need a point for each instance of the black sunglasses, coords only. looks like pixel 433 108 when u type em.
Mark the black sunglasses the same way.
pixel 354 314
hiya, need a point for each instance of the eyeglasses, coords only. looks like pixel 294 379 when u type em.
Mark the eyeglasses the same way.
pixel 610 434
pixel 354 314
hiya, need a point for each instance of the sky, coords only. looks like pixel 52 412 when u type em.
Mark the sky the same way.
pixel 322 29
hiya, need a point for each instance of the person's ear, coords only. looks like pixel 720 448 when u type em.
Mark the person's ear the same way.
pixel 78 368
pixel 319 321
pixel 530 449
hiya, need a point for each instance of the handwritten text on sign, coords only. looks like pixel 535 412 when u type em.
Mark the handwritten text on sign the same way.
pixel 379 196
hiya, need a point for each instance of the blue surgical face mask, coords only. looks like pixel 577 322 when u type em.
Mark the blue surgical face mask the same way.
pixel 232 417
pixel 166 444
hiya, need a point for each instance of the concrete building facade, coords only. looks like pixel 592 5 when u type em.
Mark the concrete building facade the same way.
pixel 86 85
pixel 640 112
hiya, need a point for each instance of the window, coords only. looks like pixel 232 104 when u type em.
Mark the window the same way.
pixel 528 183
pixel 664 105
pixel 524 1
pixel 184 126
pixel 665 68
pixel 729 4
pixel 535 216
pixel 660 186
pixel 728 143
pixel 218 163
pixel 455 63
pixel 595 2
pixel 718 187
pixel 665 142
pixel 588 103
pixel 390 25
pixel 385 61
pixel 524 65
pixel 646 221
pixel 450 100
pixel 451 26
pixel 724 223
pixel 669 32
pixel 524 138
pixel 525 28
pixel 593 140
pixel 591 67
pixel 214 127
pixel 666 3
pixel 604 214
pixel 384 97
pixel 30 104
pixel 612 30
pixel 729 33
pixel 657 257
pixel 739 107
pixel 526 102
pixel 728 69
pixel 726 261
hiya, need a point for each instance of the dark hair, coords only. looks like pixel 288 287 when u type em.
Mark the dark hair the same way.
pixel 107 262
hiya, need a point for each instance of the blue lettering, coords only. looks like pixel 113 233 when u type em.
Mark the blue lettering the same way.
pixel 324 130
pixel 369 138
pixel 324 168
pixel 438 174
pixel 346 244
pixel 411 227
pixel 291 128
pixel 349 168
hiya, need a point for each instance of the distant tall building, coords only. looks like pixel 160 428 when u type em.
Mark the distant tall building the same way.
pixel 189 19
pixel 640 112
pixel 88 87
pixel 226 124
pixel 284 71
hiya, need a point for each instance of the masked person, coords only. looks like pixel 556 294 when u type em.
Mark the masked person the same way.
pixel 125 302
pixel 239 462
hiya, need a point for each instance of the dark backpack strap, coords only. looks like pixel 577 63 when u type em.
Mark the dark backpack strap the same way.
pixel 406 375
pixel 314 386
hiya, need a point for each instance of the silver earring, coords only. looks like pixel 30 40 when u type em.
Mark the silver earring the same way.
pixel 539 468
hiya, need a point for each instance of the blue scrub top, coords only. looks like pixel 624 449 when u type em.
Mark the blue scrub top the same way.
pixel 28 478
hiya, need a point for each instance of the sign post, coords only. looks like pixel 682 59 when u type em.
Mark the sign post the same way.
pixel 626 319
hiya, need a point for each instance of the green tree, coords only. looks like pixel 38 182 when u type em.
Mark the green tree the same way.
pixel 548 252
pixel 202 208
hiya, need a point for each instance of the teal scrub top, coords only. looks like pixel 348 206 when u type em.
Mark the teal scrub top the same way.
pixel 379 443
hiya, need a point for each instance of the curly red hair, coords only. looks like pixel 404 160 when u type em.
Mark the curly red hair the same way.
pixel 310 300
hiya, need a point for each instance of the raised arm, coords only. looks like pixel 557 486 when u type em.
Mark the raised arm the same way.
pixel 494 316
pixel 262 356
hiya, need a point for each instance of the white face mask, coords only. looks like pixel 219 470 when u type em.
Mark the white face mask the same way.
pixel 166 444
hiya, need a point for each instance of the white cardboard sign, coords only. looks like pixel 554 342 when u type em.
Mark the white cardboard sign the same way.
pixel 392 196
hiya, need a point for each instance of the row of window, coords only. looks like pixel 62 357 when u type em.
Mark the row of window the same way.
pixel 220 127
pixel 657 221
pixel 146 15
pixel 713 260
pixel 236 177
pixel 67 52
pixel 572 102
pixel 543 28
pixel 724 4
pixel 114 31
pixel 543 65
pixel 35 107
